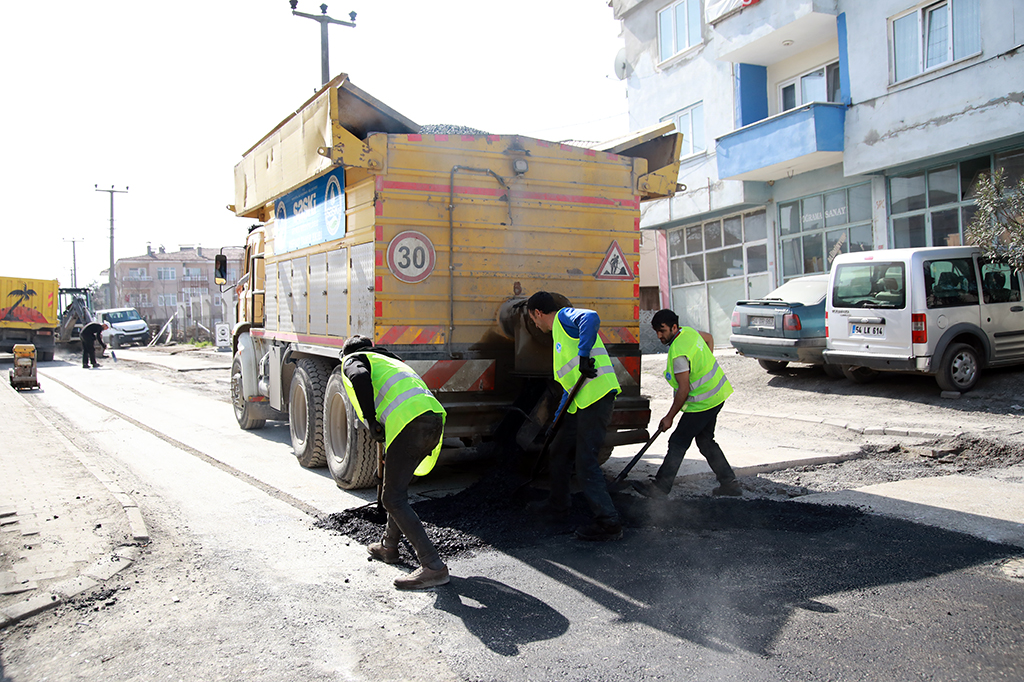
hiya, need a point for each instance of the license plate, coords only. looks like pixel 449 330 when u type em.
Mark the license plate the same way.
pixel 766 322
pixel 867 330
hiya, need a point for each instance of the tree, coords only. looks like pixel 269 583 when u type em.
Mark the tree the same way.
pixel 998 226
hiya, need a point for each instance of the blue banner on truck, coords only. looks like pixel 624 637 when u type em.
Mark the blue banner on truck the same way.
pixel 312 214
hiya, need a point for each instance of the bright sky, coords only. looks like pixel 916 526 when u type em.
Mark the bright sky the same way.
pixel 164 97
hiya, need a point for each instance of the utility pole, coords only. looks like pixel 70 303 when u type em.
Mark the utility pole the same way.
pixel 324 21
pixel 111 287
pixel 74 260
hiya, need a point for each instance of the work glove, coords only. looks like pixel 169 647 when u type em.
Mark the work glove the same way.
pixel 588 367
pixel 377 431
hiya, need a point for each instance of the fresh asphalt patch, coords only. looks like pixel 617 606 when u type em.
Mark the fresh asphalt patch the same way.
pixel 719 572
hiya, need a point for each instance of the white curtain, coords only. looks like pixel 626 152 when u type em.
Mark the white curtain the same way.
pixel 966 28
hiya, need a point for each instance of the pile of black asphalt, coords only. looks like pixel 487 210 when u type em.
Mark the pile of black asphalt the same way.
pixel 493 513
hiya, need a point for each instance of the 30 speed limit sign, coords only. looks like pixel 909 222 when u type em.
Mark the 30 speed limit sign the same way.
pixel 411 257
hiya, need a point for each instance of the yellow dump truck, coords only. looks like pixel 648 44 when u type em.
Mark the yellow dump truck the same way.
pixel 430 244
pixel 28 314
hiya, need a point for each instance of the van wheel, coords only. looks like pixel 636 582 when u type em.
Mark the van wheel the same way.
pixel 306 411
pixel 859 375
pixel 960 368
pixel 832 371
pixel 243 410
pixel 773 366
pixel 350 451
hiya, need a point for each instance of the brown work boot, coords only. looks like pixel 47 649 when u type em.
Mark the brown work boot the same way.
pixel 382 552
pixel 422 578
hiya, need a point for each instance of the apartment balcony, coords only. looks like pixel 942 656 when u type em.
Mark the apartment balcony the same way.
pixel 768 32
pixel 796 141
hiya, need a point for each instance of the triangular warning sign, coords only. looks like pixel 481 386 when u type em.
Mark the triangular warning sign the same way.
pixel 614 265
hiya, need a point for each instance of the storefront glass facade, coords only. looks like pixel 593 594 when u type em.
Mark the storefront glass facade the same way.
pixel 714 264
pixel 815 229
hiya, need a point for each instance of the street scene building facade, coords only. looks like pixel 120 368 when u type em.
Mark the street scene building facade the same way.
pixel 817 127
pixel 162 284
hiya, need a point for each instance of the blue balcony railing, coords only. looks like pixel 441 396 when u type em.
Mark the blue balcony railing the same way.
pixel 796 141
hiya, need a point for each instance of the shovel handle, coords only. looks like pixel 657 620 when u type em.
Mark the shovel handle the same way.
pixel 636 458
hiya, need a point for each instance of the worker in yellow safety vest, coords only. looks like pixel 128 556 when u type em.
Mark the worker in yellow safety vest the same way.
pixel 700 389
pixel 392 399
pixel 579 352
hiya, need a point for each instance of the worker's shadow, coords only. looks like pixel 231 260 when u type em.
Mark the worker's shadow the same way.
pixel 500 616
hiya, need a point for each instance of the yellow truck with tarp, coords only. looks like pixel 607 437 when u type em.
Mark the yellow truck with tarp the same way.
pixel 28 314
pixel 430 244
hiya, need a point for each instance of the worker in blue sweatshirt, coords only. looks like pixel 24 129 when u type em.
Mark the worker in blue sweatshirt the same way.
pixel 579 351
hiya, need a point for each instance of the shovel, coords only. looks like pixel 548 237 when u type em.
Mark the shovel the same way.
pixel 620 481
pixel 557 422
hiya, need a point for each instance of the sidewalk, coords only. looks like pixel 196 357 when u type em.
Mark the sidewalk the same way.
pixel 65 527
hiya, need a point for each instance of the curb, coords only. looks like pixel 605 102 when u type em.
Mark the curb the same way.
pixel 98 572
pixel 847 426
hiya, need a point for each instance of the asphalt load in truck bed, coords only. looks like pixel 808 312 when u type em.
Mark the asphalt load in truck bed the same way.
pixel 493 513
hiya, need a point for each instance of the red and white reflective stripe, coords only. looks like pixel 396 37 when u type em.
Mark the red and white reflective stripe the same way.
pixel 456 376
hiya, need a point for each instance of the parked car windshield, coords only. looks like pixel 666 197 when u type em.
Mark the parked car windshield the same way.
pixel 804 290
pixel 870 285
pixel 123 316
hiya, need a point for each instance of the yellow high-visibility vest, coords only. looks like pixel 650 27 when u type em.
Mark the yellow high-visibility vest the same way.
pixel 400 395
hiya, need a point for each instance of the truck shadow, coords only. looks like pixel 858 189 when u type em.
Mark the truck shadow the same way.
pixel 723 573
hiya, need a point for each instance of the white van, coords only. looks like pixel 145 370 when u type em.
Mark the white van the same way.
pixel 126 327
pixel 944 311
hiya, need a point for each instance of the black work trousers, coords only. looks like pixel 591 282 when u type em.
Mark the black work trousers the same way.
pixel 699 426
pixel 410 447
pixel 89 354
pixel 579 440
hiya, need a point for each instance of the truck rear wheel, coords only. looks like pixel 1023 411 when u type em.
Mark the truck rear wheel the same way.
pixel 306 411
pixel 350 451
pixel 243 409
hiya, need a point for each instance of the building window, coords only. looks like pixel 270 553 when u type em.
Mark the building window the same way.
pixel 137 275
pixel 819 85
pixel 815 229
pixel 690 122
pixel 714 264
pixel 166 274
pixel 167 300
pixel 932 207
pixel 192 275
pixel 933 35
pixel 678 27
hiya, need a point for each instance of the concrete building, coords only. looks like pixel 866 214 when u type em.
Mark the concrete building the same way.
pixel 162 284
pixel 817 127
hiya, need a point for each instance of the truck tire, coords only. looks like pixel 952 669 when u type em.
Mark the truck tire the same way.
pixel 306 411
pixel 772 366
pixel 960 368
pixel 859 375
pixel 243 410
pixel 350 451
pixel 44 356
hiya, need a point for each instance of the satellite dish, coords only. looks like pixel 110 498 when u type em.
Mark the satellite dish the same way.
pixel 622 67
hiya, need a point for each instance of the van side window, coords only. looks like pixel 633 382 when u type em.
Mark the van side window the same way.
pixel 870 285
pixel 950 283
pixel 999 283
